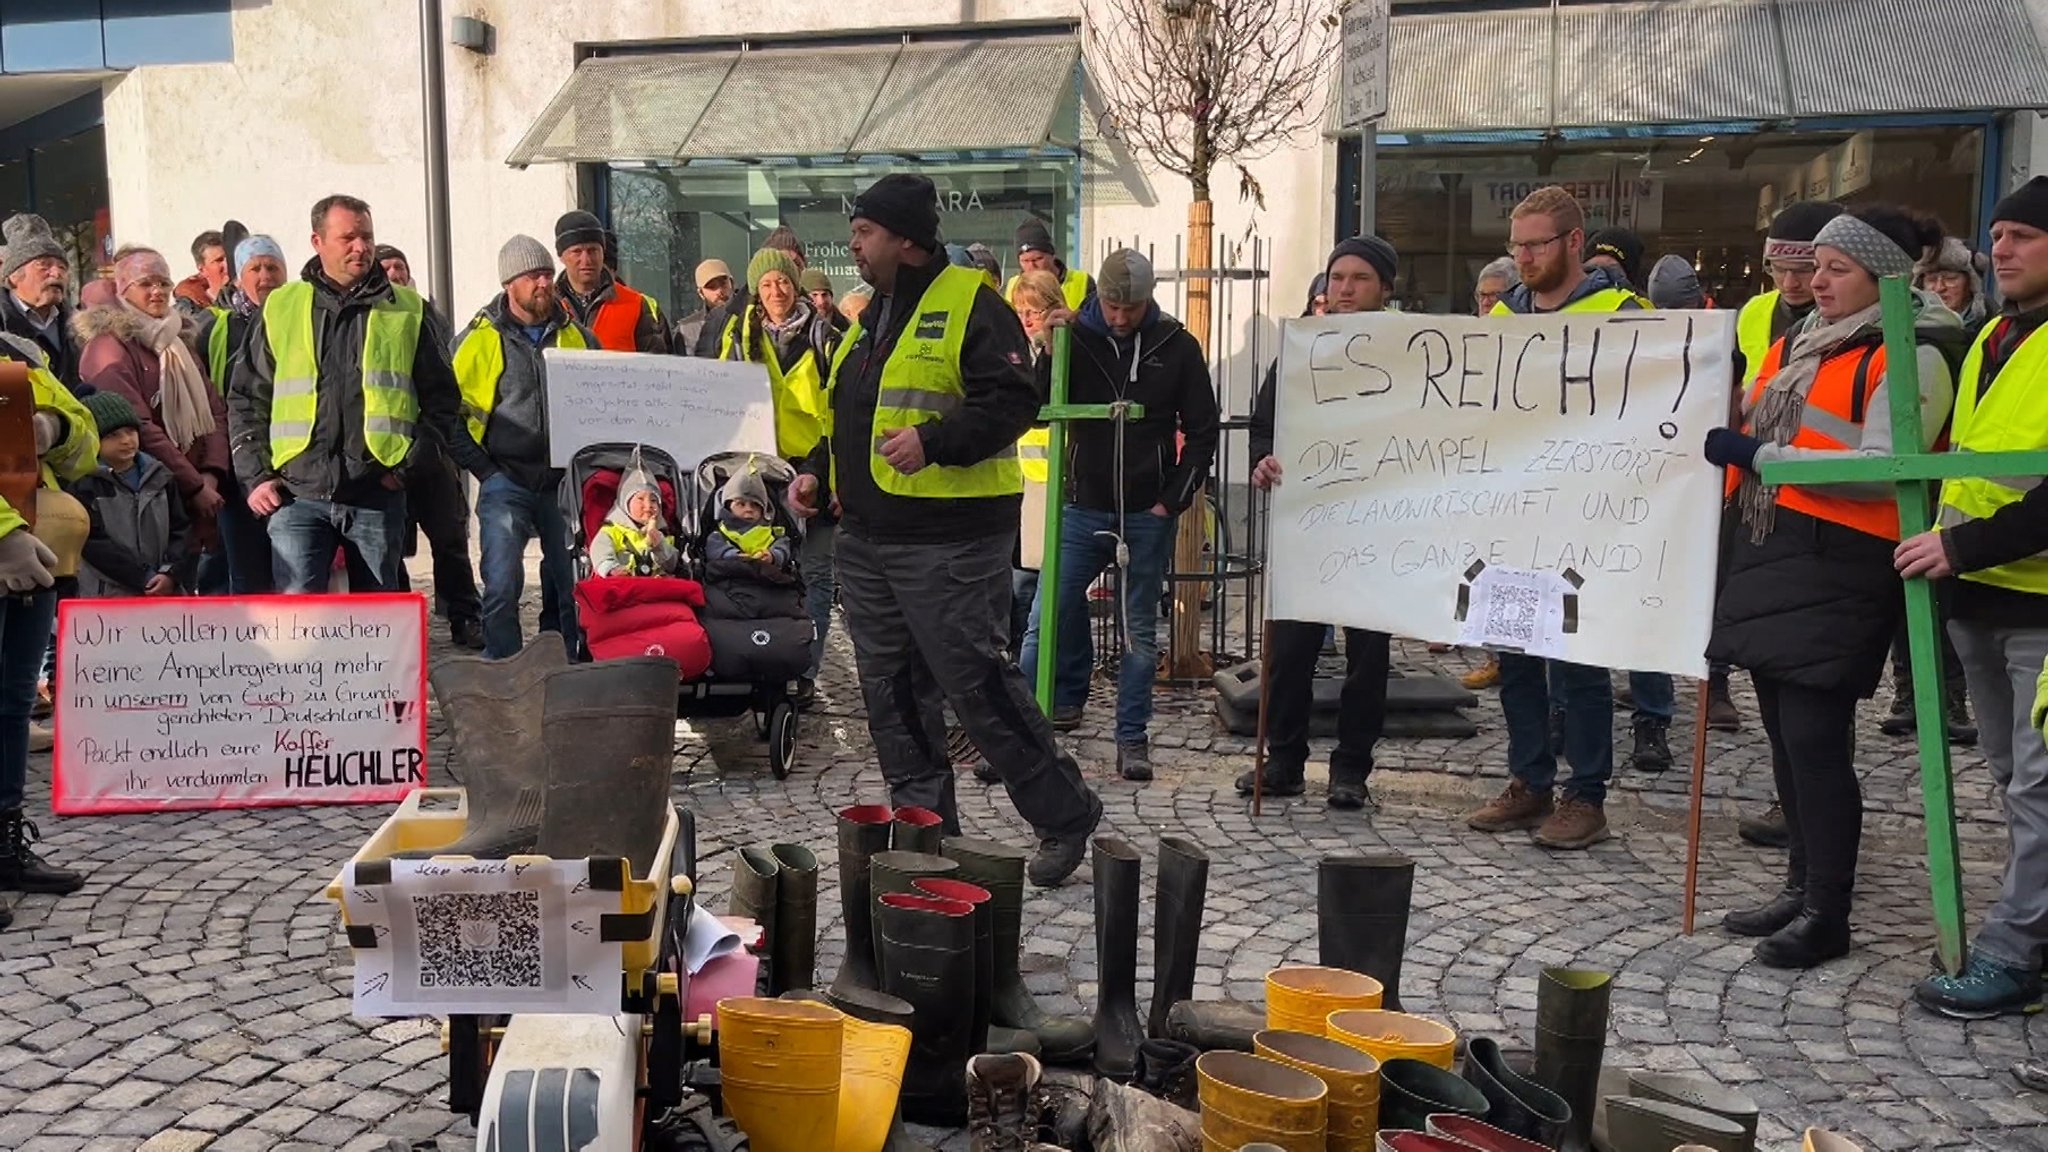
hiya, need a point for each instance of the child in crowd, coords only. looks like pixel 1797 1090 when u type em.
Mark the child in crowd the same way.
pixel 139 526
pixel 632 542
pixel 745 532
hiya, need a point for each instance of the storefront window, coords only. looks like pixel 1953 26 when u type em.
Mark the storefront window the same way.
pixel 669 219
pixel 1707 198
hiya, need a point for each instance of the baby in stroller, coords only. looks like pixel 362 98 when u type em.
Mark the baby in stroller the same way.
pixel 753 587
pixel 746 545
pixel 631 542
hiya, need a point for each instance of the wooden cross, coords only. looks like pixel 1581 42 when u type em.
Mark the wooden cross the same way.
pixel 1057 413
pixel 1909 469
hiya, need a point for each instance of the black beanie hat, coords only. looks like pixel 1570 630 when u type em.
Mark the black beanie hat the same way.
pixel 1034 236
pixel 1373 251
pixel 577 227
pixel 904 204
pixel 2026 204
pixel 1624 246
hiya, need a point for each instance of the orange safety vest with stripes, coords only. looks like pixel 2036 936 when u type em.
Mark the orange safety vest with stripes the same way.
pixel 616 323
pixel 1833 421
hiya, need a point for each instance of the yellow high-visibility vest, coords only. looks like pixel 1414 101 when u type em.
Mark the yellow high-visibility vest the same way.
pixel 798 391
pixel 391 408
pixel 2013 417
pixel 1753 332
pixel 480 364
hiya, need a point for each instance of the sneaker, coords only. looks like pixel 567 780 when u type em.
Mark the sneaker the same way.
pixel 1722 715
pixel 41 737
pixel 1067 717
pixel 1512 811
pixel 1278 782
pixel 1485 676
pixel 1134 761
pixel 1058 856
pixel 467 634
pixel 1985 989
pixel 1652 752
pixel 999 1098
pixel 1574 825
pixel 1767 830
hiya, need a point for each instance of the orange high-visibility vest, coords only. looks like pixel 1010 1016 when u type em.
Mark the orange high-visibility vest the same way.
pixel 1833 421
pixel 617 321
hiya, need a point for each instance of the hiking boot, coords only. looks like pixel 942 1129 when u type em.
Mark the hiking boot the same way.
pixel 1574 825
pixel 1349 795
pixel 1900 721
pixel 1767 830
pixel 1960 730
pixel 1767 920
pixel 1653 746
pixel 1514 810
pixel 1278 781
pixel 1985 989
pixel 1058 856
pixel 1067 717
pixel 467 633
pixel 21 870
pixel 1485 676
pixel 999 1096
pixel 1722 715
pixel 1134 761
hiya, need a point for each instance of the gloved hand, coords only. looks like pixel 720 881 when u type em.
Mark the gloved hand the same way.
pixel 25 563
pixel 49 430
pixel 1726 446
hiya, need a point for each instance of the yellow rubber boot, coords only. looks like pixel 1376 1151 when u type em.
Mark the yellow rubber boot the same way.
pixel 1300 999
pixel 1821 1140
pixel 1250 1099
pixel 1352 1077
pixel 780 1063
pixel 1395 1036
pixel 870 1078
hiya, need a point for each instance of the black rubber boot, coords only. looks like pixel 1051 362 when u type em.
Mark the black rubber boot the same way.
pixel 1514 1103
pixel 793 950
pixel 1768 918
pixel 892 872
pixel 1412 1091
pixel 864 830
pixel 1176 926
pixel 977 898
pixel 1000 869
pixel 1362 917
pixel 611 740
pixel 1215 1025
pixel 755 874
pixel 916 830
pixel 1571 1038
pixel 494 712
pixel 928 962
pixel 878 1007
pixel 1118 1031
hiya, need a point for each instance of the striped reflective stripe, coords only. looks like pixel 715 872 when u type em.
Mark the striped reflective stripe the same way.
pixel 1842 430
pixel 918 400
pixel 1030 451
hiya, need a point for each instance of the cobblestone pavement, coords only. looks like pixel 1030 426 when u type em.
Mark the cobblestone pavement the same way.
pixel 194 995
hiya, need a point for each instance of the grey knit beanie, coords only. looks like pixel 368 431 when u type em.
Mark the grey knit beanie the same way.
pixel 520 255
pixel 1126 278
pixel 28 238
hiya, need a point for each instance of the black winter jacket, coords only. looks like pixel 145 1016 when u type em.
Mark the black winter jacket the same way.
pixel 1001 403
pixel 337 465
pixel 1171 379
pixel 60 346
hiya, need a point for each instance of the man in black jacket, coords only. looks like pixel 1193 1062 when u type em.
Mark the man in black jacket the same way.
pixel 1360 275
pixel 325 442
pixel 34 306
pixel 1126 484
pixel 925 407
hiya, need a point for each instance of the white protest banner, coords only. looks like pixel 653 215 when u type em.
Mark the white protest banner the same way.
pixel 687 407
pixel 169 703
pixel 1421 451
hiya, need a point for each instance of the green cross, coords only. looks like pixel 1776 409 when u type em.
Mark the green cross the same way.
pixel 1909 470
pixel 1057 414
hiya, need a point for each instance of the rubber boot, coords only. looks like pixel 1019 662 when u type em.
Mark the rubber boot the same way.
pixel 1362 917
pixel 1639 1124
pixel 1215 1025
pixel 1247 1099
pixel 999 868
pixel 1352 1076
pixel 1822 1140
pixel 895 872
pixel 1118 1031
pixel 1514 1103
pixel 1176 926
pixel 779 1068
pixel 1411 1141
pixel 1571 1037
pixel 1703 1094
pixel 1478 1134
pixel 494 711
pixel 864 830
pixel 756 874
pixel 984 949
pixel 877 1007
pixel 793 949
pixel 1412 1091
pixel 870 1082
pixel 916 830
pixel 611 739
pixel 928 961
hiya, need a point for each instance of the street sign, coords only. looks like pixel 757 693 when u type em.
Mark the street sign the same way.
pixel 1362 85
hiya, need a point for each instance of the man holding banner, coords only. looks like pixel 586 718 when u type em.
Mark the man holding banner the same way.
pixel 1547 238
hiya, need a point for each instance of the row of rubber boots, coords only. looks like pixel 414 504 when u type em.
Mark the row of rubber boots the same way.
pixel 559 759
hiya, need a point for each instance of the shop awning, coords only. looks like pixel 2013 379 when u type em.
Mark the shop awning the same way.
pixel 900 97
pixel 1652 62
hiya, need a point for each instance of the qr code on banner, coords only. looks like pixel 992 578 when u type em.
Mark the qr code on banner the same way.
pixel 1511 615
pixel 479 939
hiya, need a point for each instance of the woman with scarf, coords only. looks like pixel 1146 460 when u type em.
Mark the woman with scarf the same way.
pixel 1810 598
pixel 141 347
pixel 782 331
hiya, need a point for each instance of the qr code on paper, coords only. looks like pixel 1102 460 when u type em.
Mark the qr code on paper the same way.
pixel 1512 614
pixel 479 939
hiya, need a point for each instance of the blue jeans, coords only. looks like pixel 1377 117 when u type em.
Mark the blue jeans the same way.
pixel 1656 699
pixel 814 560
pixel 25 623
pixel 1083 556
pixel 305 533
pixel 1588 701
pixel 508 516
pixel 242 565
pixel 1023 592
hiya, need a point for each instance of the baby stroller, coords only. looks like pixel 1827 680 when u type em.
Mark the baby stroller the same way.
pixel 623 616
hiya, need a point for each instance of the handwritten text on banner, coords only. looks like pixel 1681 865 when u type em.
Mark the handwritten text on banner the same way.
pixel 223 702
pixel 1416 445
pixel 686 407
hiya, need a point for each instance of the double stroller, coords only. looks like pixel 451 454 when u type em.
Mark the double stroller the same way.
pixel 739 644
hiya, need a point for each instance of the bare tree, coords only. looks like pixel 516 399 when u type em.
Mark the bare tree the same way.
pixel 1193 84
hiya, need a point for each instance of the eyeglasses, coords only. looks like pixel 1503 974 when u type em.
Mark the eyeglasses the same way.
pixel 1516 247
pixel 1032 313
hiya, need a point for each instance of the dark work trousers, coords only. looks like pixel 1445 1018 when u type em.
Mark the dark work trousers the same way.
pixel 1951 664
pixel 1290 703
pixel 440 509
pixel 928 624
pixel 1813 757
